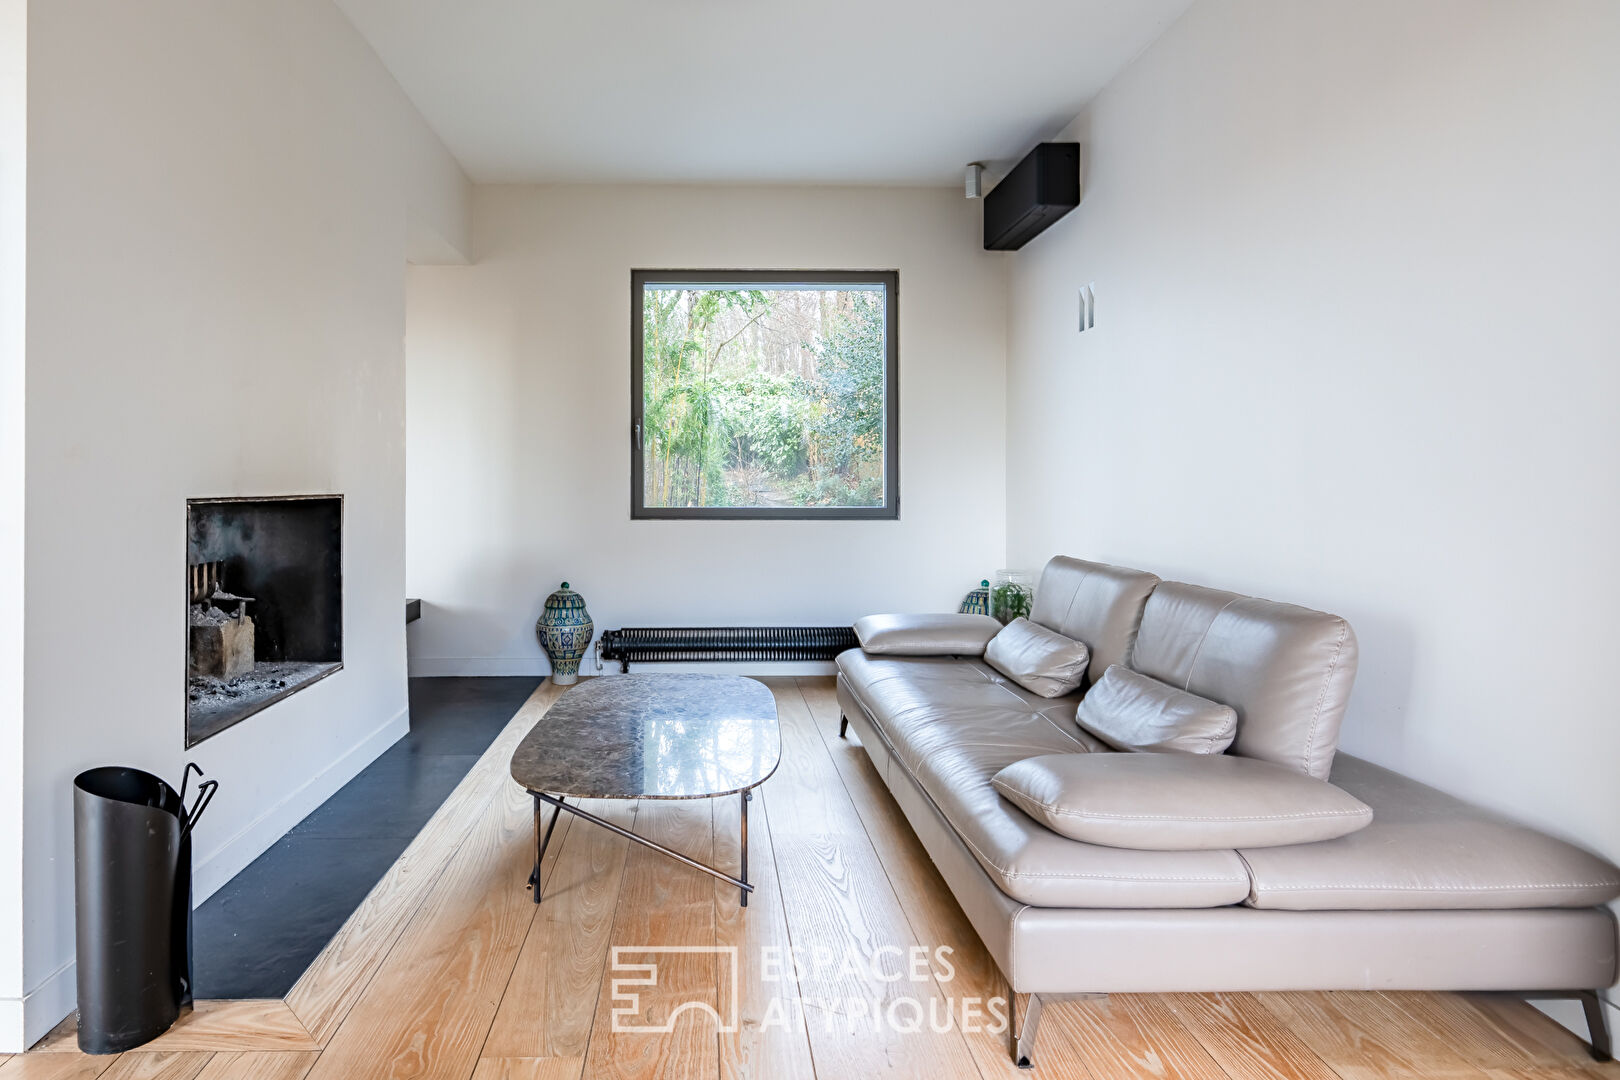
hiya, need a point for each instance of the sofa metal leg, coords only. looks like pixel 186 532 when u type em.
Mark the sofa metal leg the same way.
pixel 1024 1030
pixel 1597 1026
pixel 1597 1020
pixel 843 725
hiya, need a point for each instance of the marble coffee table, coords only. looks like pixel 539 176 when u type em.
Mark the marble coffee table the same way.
pixel 650 737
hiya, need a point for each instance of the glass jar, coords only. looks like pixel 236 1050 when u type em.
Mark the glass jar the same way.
pixel 1013 595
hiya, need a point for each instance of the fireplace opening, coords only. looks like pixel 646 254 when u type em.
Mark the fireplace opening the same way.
pixel 264 604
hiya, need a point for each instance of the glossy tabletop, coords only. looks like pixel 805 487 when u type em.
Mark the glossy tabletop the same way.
pixel 652 737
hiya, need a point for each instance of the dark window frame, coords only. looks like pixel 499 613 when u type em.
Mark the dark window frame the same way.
pixel 889 511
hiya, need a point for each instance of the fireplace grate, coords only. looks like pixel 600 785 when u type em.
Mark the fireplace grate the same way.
pixel 669 644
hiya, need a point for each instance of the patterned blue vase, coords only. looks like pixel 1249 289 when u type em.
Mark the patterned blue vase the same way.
pixel 565 631
pixel 977 602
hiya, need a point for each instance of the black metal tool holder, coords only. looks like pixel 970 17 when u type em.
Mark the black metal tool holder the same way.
pixel 132 879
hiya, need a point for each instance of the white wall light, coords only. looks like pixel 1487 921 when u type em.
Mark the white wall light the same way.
pixel 975 181
pixel 1088 306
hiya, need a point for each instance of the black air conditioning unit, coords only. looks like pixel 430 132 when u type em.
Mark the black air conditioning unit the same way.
pixel 1040 189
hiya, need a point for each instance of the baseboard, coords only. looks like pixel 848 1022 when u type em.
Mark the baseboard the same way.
pixel 24 1022
pixel 11 1026
pixel 439 667
pixel 233 855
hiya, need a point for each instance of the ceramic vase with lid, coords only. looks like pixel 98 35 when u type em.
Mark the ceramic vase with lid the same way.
pixel 976 602
pixel 565 630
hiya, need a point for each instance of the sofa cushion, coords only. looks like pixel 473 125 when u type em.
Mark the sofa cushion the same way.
pixel 910 694
pixel 926 634
pixel 1286 670
pixel 1425 849
pixel 1178 802
pixel 1042 661
pixel 953 724
pixel 1095 603
pixel 925 681
pixel 1133 712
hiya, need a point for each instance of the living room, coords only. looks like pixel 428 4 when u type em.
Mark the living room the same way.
pixel 323 306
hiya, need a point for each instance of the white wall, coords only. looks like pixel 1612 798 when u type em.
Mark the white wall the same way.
pixel 217 240
pixel 1357 267
pixel 518 419
pixel 13 378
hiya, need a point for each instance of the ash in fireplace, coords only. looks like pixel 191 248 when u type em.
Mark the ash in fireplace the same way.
pixel 215 704
pixel 264 679
pixel 207 615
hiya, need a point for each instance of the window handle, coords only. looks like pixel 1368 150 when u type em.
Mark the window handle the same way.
pixel 635 433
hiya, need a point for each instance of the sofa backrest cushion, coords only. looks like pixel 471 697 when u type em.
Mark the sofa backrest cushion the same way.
pixel 1042 661
pixel 1286 670
pixel 1129 711
pixel 1095 603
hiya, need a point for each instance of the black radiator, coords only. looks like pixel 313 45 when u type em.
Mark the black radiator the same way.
pixel 720 643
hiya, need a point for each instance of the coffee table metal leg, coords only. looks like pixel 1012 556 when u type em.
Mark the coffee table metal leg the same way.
pixel 541 841
pixel 632 837
pixel 744 875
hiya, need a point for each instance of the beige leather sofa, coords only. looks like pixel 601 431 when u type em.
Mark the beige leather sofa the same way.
pixel 1434 894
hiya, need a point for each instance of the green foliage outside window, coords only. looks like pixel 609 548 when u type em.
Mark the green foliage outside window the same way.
pixel 763 397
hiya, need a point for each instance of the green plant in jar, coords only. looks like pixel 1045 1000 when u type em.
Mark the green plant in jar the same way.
pixel 1011 600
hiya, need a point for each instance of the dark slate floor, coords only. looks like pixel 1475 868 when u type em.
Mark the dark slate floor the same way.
pixel 255 936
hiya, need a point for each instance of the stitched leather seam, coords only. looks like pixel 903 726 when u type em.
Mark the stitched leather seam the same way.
pixel 1067 735
pixel 1193 664
pixel 1012 976
pixel 1437 888
pixel 1053 808
pixel 1006 690
pixel 1321 697
pixel 855 692
pixel 1214 736
pixel 1002 870
pixel 1074 596
pixel 1249 870
pixel 1115 877
pixel 1003 687
pixel 1059 811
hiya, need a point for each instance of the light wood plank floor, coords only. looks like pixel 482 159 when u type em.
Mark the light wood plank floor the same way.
pixel 448 971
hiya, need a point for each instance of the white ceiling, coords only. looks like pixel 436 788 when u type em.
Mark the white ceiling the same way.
pixel 818 91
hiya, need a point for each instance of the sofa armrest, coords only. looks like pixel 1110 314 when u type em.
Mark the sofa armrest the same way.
pixel 925 635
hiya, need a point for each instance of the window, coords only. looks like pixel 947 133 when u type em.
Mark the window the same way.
pixel 764 394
